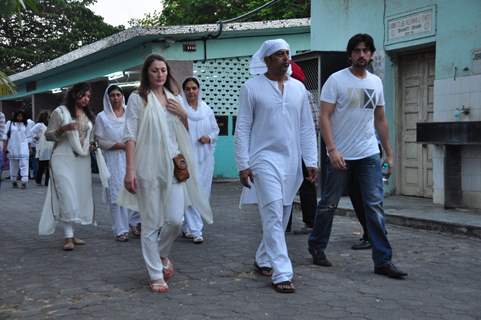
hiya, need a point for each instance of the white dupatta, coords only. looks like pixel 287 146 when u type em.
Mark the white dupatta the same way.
pixel 154 166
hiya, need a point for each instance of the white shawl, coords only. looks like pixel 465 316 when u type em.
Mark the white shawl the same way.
pixel 154 166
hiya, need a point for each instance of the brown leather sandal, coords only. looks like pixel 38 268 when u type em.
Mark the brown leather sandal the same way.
pixel 263 271
pixel 284 287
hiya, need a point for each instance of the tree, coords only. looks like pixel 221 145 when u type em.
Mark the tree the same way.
pixel 181 12
pixel 28 38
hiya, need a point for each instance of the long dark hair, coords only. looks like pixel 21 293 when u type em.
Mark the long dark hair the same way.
pixel 17 113
pixel 73 94
pixel 144 88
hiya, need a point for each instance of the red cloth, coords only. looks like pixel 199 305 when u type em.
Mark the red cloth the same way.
pixel 297 72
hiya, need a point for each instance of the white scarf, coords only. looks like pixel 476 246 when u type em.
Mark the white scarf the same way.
pixel 154 166
pixel 199 125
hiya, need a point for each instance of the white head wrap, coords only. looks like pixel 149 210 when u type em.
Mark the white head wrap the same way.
pixel 269 47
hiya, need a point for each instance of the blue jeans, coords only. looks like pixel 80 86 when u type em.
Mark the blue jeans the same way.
pixel 368 173
pixel 1 164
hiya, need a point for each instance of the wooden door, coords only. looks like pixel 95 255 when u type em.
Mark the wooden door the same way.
pixel 416 75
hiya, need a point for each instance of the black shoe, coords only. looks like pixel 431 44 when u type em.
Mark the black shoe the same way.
pixel 390 270
pixel 319 258
pixel 362 245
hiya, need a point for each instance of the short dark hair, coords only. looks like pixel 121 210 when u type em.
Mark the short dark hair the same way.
pixel 360 38
pixel 43 117
pixel 193 79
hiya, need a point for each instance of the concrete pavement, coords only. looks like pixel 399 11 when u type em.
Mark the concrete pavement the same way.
pixel 107 279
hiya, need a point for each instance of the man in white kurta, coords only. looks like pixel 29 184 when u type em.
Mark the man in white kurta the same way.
pixel 274 131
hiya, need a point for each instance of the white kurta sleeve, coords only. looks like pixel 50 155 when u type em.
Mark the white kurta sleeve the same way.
pixel 99 132
pixel 308 134
pixel 132 117
pixel 243 129
pixel 54 123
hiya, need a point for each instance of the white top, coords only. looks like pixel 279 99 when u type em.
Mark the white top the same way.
pixel 2 130
pixel 37 130
pixel 273 131
pixel 352 121
pixel 135 109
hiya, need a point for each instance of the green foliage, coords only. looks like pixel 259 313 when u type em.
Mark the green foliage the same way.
pixel 55 27
pixel 181 12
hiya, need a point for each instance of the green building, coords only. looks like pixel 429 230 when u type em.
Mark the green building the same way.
pixel 429 57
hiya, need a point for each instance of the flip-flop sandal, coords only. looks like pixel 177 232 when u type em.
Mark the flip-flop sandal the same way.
pixel 159 287
pixel 135 230
pixel 264 271
pixel 284 287
pixel 168 270
pixel 122 237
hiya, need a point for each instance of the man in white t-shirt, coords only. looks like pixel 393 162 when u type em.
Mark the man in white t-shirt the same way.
pixel 352 110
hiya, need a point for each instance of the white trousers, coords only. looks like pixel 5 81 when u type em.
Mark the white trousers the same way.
pixel 193 223
pixel 21 164
pixel 272 251
pixel 68 230
pixel 157 243
pixel 120 219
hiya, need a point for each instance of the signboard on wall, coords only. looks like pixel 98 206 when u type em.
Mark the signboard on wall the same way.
pixel 412 25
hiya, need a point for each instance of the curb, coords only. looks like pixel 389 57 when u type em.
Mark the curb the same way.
pixel 418 223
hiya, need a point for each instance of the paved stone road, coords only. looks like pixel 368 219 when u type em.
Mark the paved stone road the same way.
pixel 215 280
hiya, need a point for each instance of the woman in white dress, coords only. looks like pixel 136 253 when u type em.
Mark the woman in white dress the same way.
pixel 109 130
pixel 18 148
pixel 158 149
pixel 203 131
pixel 69 194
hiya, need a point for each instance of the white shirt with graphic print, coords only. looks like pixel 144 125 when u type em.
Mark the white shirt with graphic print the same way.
pixel 352 121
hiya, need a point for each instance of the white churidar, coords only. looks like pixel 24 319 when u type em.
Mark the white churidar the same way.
pixel 108 131
pixel 269 47
pixel 69 193
pixel 201 123
pixel 272 251
pixel 157 244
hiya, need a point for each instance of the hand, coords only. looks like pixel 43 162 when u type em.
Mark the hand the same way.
pixel 130 182
pixel 175 107
pixel 337 161
pixel 204 139
pixel 69 127
pixel 118 146
pixel 245 176
pixel 93 146
pixel 312 174
pixel 389 159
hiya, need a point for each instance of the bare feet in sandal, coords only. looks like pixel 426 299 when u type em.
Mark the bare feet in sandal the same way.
pixel 159 286
pixel 284 287
pixel 168 268
pixel 124 237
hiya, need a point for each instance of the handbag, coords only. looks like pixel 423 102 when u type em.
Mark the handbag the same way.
pixel 181 173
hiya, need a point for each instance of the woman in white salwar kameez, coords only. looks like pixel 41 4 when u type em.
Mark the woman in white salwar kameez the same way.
pixel 203 131
pixel 69 194
pixel 109 130
pixel 18 148
pixel 156 136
